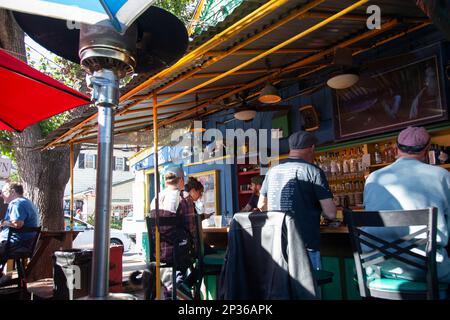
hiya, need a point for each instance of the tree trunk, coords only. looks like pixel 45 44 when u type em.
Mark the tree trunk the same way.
pixel 44 174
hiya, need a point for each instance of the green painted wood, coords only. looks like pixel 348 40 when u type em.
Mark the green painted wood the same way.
pixel 351 280
pixel 331 291
pixel 210 286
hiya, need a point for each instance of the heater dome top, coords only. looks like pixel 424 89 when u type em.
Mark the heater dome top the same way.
pixel 161 38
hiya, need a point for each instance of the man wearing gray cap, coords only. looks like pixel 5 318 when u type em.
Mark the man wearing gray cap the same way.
pixel 299 186
pixel 410 184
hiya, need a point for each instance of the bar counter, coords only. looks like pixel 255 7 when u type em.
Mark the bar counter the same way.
pixel 336 253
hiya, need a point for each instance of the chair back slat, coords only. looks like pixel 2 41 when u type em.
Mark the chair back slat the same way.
pixel 398 249
pixel 395 245
pixel 391 218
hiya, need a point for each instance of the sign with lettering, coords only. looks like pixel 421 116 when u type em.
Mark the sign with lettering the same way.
pixel 5 167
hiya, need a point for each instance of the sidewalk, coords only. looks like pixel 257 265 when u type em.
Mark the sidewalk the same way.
pixel 131 261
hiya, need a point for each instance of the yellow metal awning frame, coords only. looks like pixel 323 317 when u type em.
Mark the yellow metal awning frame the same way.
pixel 87 128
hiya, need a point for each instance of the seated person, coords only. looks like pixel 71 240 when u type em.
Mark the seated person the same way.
pixel 256 183
pixel 408 184
pixel 20 213
pixel 195 190
pixel 171 199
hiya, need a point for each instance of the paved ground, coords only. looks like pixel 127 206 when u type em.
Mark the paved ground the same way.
pixel 132 261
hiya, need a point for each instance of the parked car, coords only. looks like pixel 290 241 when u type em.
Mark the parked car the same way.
pixel 85 238
pixel 132 224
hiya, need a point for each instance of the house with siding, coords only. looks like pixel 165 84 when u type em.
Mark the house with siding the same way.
pixel 84 181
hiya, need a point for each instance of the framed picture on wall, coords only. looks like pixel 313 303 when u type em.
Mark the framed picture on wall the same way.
pixel 411 94
pixel 210 197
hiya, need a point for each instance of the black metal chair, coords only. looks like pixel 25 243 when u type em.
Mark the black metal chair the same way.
pixel 370 250
pixel 21 254
pixel 171 233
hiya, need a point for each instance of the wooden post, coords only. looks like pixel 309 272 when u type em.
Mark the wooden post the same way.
pixel 156 176
pixel 71 164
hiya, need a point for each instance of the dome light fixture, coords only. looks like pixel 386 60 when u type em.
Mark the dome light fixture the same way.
pixel 343 80
pixel 346 75
pixel 269 94
pixel 245 115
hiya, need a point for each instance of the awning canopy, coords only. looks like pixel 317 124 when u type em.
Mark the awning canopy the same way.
pixel 29 96
pixel 281 41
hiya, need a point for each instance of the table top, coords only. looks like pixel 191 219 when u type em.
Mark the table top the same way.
pixel 323 229
pixel 339 229
pixel 215 229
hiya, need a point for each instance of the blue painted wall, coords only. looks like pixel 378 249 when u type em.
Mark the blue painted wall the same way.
pixel 226 184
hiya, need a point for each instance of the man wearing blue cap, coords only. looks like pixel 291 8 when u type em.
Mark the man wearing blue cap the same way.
pixel 302 188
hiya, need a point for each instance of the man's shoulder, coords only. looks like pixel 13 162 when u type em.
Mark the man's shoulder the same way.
pixel 295 164
pixel 20 202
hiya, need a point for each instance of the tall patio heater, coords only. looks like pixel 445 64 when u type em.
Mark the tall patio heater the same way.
pixel 155 40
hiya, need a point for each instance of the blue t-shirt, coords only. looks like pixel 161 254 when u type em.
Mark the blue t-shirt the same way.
pixel 20 209
pixel 297 186
pixel 409 184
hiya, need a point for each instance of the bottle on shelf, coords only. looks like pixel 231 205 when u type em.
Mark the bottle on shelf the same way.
pixel 377 154
pixel 333 167
pixel 391 152
pixel 353 163
pixel 359 161
pixel 345 165
pixel 443 155
pixel 359 188
pixel 432 155
pixel 387 153
pixel 338 164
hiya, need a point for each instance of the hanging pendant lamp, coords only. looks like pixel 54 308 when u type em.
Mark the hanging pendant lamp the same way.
pixel 343 79
pixel 347 74
pixel 269 94
pixel 245 115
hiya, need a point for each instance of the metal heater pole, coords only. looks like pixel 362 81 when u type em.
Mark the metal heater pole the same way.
pixel 106 96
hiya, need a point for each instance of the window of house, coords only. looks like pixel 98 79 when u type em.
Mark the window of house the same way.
pixel 89 161
pixel 120 164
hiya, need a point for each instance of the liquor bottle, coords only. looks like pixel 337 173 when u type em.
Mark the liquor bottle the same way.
pixel 432 155
pixel 350 193
pixel 338 164
pixel 386 153
pixel 345 165
pixel 359 161
pixel 443 156
pixel 326 165
pixel 333 166
pixel 377 154
pixel 359 186
pixel 391 153
pixel 353 162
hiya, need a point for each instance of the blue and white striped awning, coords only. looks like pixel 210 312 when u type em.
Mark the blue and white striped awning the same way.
pixel 120 13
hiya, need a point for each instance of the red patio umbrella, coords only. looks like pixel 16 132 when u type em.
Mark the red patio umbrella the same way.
pixel 28 96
